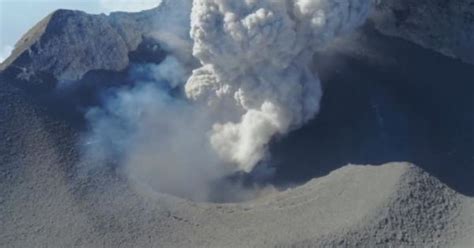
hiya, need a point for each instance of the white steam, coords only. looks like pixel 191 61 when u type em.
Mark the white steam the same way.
pixel 252 82
pixel 255 56
pixel 159 140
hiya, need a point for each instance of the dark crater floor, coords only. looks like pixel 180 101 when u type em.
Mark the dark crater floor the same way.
pixel 415 105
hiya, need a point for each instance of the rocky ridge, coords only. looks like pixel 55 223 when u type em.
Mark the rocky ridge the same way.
pixel 68 44
pixel 446 26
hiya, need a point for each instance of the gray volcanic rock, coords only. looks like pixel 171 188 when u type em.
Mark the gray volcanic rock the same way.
pixel 446 26
pixel 67 44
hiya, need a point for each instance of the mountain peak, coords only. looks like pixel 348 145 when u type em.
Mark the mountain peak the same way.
pixel 68 43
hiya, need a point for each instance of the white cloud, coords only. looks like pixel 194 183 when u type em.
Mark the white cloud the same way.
pixel 128 5
pixel 5 52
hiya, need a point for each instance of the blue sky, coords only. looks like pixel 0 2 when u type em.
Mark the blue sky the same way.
pixel 17 16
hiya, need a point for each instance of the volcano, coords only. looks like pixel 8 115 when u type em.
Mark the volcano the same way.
pixel 387 161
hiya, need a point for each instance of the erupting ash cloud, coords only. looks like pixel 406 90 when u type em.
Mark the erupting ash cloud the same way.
pixel 255 56
pixel 252 83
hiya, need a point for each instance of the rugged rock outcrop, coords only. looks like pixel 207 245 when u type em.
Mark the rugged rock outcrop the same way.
pixel 67 44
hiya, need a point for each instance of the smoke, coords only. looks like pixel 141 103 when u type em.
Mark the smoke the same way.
pixel 255 57
pixel 171 30
pixel 156 137
pixel 191 121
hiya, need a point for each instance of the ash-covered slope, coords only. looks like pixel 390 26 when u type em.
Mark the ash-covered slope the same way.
pixel 45 202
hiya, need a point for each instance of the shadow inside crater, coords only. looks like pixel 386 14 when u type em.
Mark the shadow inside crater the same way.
pixel 417 107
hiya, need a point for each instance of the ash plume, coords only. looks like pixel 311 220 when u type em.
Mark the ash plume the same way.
pixel 183 127
pixel 255 57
